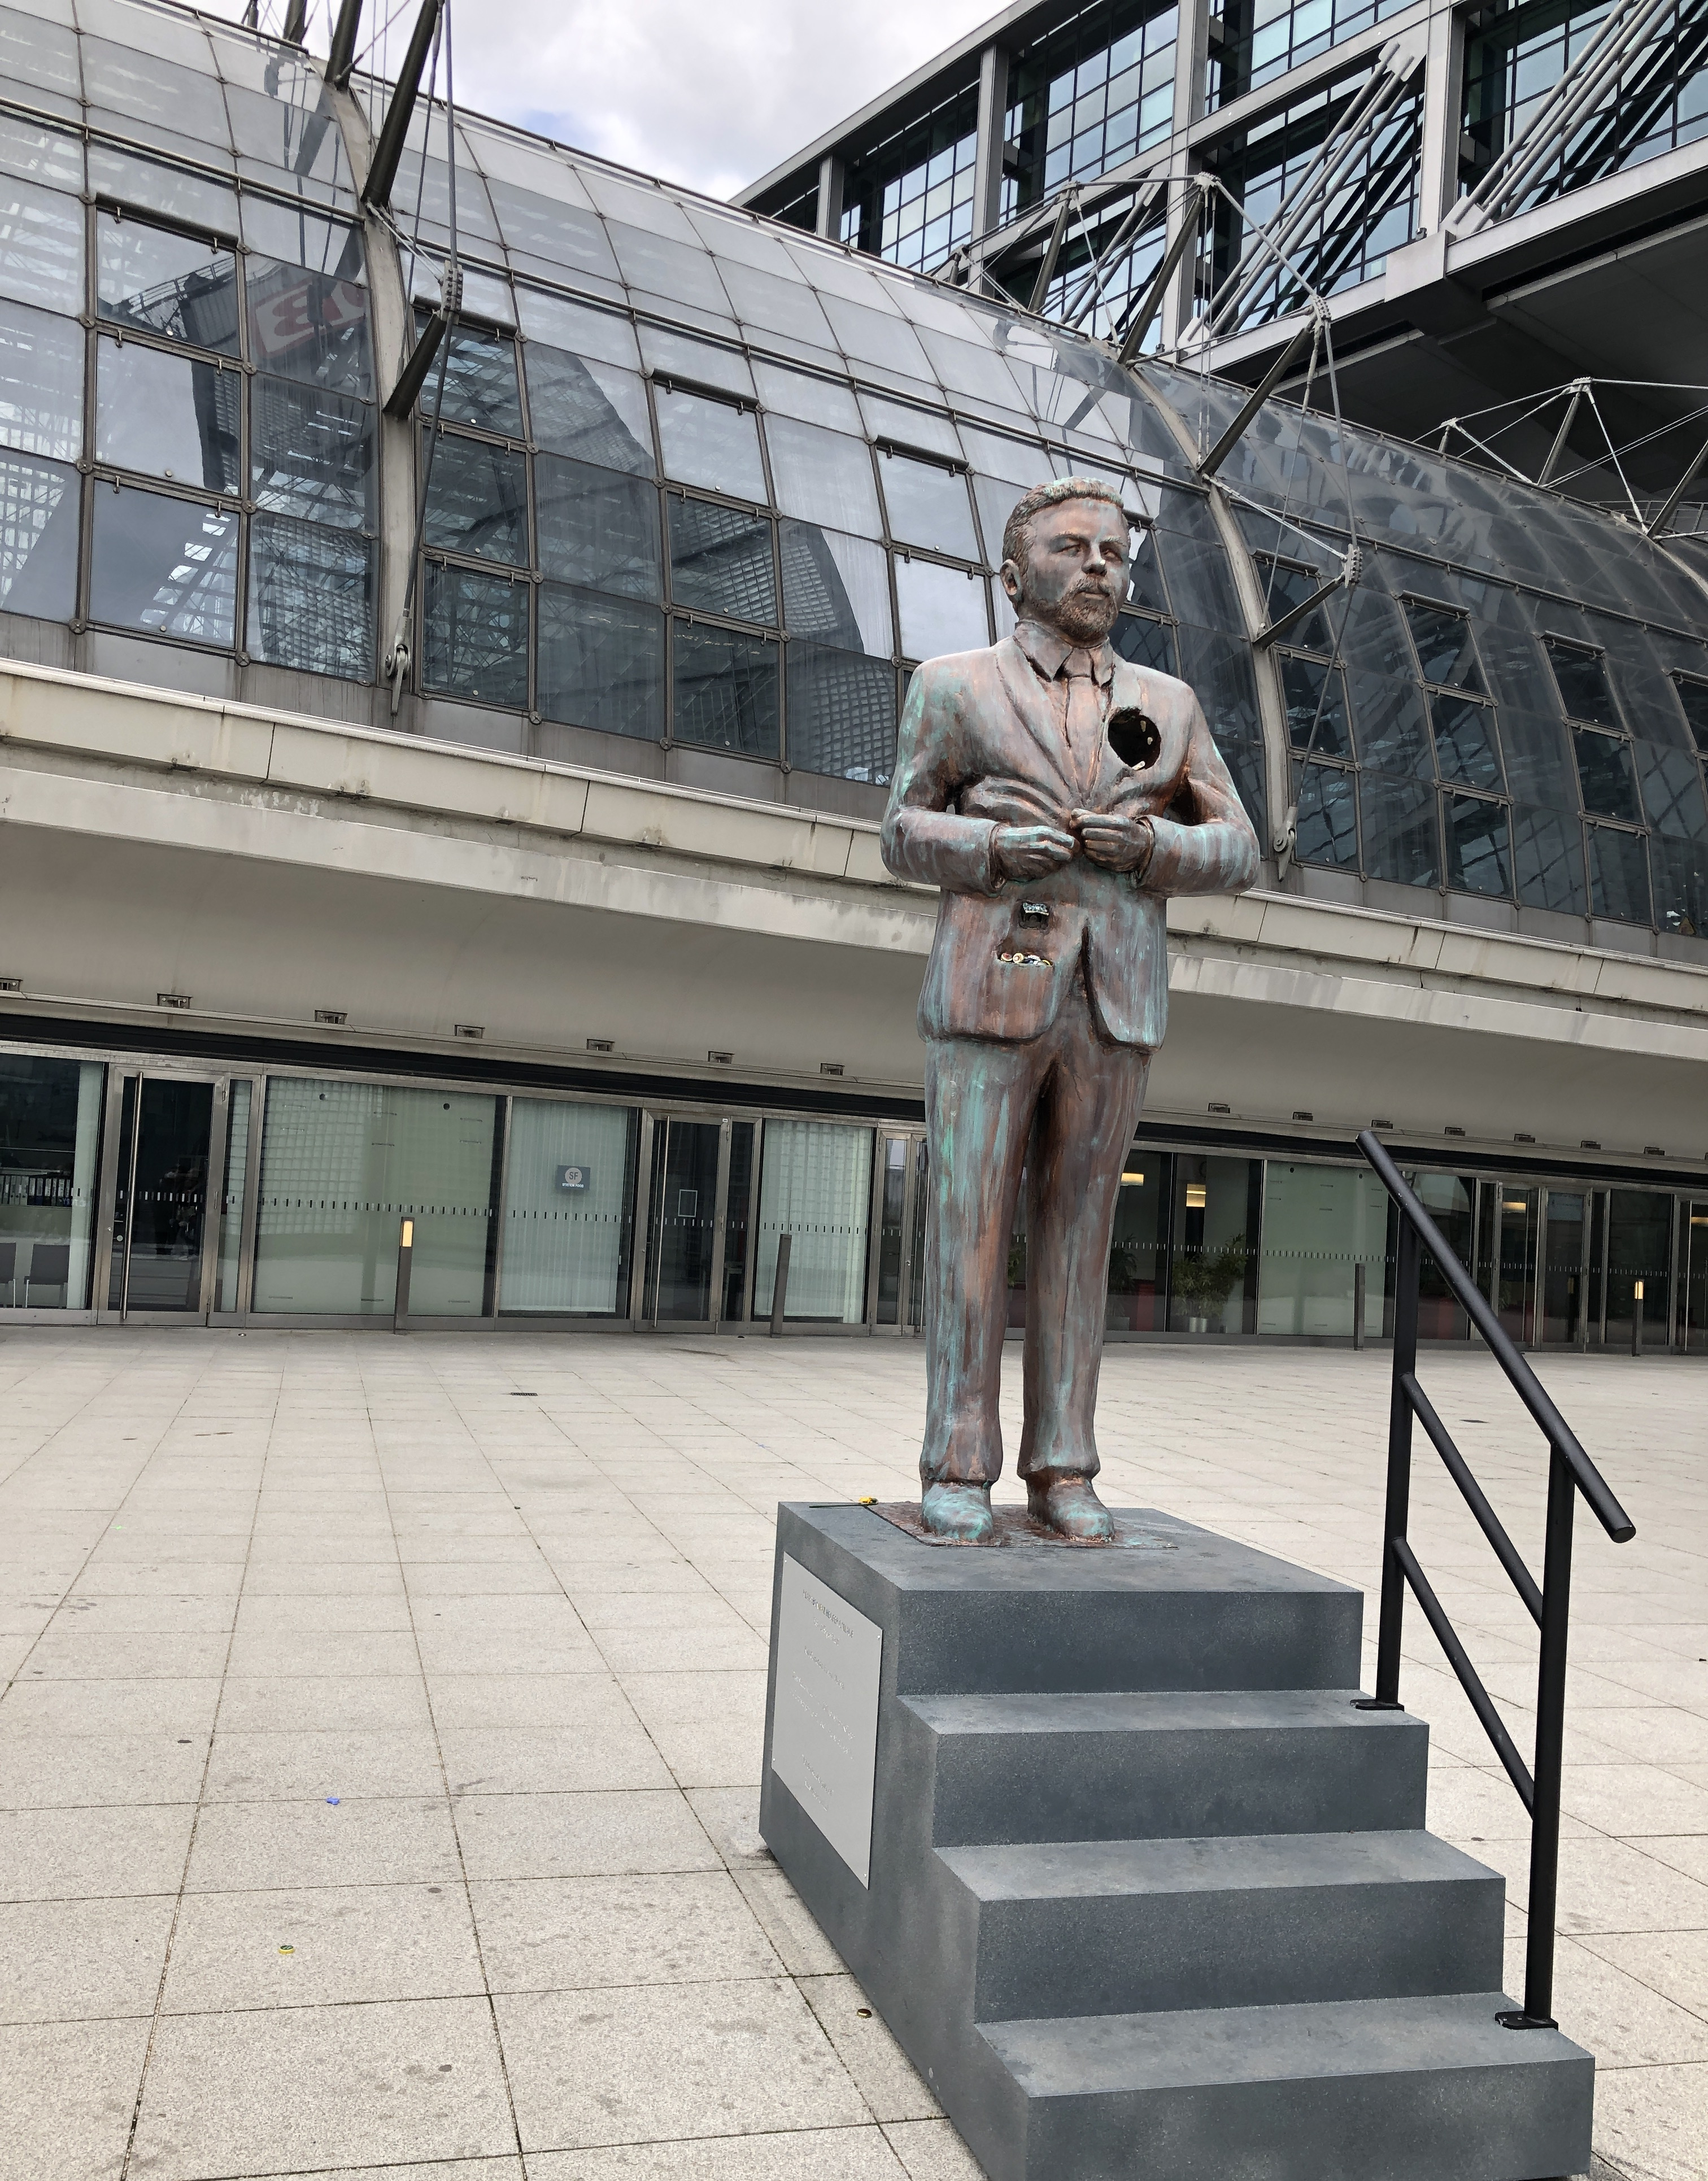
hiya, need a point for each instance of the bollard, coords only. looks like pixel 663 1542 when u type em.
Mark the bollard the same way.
pixel 406 1252
pixel 1637 1318
pixel 1359 1277
pixel 779 1286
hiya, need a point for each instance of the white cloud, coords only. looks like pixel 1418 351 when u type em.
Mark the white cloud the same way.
pixel 713 96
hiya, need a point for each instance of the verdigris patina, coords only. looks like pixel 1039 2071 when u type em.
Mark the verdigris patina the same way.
pixel 1057 794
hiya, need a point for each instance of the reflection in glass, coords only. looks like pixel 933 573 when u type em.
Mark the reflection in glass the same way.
pixel 595 411
pixel 597 527
pixel 601 663
pixel 169 415
pixel 1320 1224
pixel 311 598
pixel 1138 1245
pixel 39 505
pixel 294 235
pixel 722 560
pixel 683 1227
pixel 1618 874
pixel 1639 1247
pixel 1446 653
pixel 1285 587
pixel 480 385
pixel 50 1132
pixel 41 247
pixel 167 565
pixel 709 443
pixel 1316 699
pixel 835 589
pixel 941 609
pixel 1327 824
pixel 40 382
pixel 311 453
pixel 1539 766
pixel 228 1262
pixel 1563 1285
pixel 927 505
pixel 1213 1275
pixel 1145 643
pixel 1672 782
pixel 824 476
pixel 1145 585
pixel 1604 773
pixel 158 1251
pixel 341 1163
pixel 1581 676
pixel 568 1208
pixel 574 330
pixel 476 636
pixel 153 89
pixel 1548 859
pixel 842 713
pixel 1465 749
pixel 1391 732
pixel 1693 696
pixel 180 285
pixel 1680 870
pixel 738 1222
pixel 307 325
pixel 476 500
pixel 726 690
pixel 1480 857
pixel 1400 842
pixel 815 1185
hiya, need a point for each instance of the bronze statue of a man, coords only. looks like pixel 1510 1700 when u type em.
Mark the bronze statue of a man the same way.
pixel 1056 795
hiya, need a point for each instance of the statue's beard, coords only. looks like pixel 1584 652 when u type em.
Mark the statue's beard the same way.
pixel 1087 615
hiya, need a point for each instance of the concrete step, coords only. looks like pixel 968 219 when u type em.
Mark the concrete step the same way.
pixel 1169 1764
pixel 1132 1926
pixel 1389 2089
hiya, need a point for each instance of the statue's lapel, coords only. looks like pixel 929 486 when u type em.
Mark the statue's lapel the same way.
pixel 1032 704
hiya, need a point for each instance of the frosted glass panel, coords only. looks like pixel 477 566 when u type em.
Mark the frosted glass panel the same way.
pixel 231 1195
pixel 1319 1222
pixel 569 1207
pixel 815 1185
pixel 340 1165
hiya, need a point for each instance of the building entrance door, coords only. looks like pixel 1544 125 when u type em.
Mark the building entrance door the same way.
pixel 1566 1269
pixel 897 1283
pixel 170 1141
pixel 685 1224
pixel 1693 1317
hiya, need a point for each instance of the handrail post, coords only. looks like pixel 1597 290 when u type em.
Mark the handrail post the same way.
pixel 1407 1269
pixel 1550 1736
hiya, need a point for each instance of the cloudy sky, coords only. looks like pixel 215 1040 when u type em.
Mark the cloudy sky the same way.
pixel 710 95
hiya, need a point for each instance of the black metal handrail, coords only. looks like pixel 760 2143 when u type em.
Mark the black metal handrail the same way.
pixel 1570 1471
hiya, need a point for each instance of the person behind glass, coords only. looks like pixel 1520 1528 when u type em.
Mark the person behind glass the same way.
pixel 1056 795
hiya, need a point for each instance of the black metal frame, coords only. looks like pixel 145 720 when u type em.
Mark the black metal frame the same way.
pixel 1570 1471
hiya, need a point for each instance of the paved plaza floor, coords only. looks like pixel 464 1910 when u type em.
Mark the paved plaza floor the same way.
pixel 381 1735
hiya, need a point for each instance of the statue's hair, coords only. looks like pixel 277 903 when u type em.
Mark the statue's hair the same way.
pixel 1017 530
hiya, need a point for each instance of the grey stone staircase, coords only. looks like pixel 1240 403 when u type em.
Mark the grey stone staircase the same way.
pixel 1148 1897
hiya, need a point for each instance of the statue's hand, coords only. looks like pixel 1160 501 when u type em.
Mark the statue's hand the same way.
pixel 1117 844
pixel 1028 852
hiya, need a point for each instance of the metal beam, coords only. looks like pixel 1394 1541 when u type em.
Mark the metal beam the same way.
pixel 1578 388
pixel 992 129
pixel 382 173
pixel 1083 298
pixel 1140 324
pixel 341 56
pixel 295 22
pixel 1258 396
pixel 1294 615
pixel 827 216
pixel 1669 506
pixel 1053 248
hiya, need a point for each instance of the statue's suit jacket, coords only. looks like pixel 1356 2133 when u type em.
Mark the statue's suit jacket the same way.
pixel 980 749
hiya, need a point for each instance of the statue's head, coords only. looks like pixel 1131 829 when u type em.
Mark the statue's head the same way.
pixel 1064 557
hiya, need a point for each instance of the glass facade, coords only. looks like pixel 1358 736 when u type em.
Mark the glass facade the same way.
pixel 50 1136
pixel 910 197
pixel 1090 92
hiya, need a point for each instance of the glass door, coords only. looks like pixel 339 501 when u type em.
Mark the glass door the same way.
pixel 898 1207
pixel 1507 1244
pixel 683 1229
pixel 1565 1268
pixel 1693 1327
pixel 164 1229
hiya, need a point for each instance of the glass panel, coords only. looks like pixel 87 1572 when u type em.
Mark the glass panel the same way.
pixel 477 636
pixel 594 412
pixel 709 443
pixel 1400 838
pixel 942 609
pixel 1548 856
pixel 1680 870
pixel 927 505
pixel 476 500
pixel 815 1185
pixel 1445 652
pixel 292 235
pixel 168 416
pixel 571 327
pixel 1320 1224
pixel 896 1154
pixel 726 690
pixel 180 285
pixel 121 1193
pixel 601 663
pixel 597 527
pixel 341 1165
pixel 836 588
pixel 1618 875
pixel 1145 642
pixel 1213 1272
pixel 41 247
pixel 1639 1247
pixel 39 504
pixel 1582 677
pixel 1693 1331
pixel 568 1208
pixel 311 453
pixel 916 1243
pixel 684 1221
pixel 50 1135
pixel 305 325
pixel 167 565
pixel 824 476
pixel 37 51
pixel 1138 1247
pixel 1285 587
pixel 1671 783
pixel 1479 855
pixel 311 598
pixel 1326 827
pixel 1450 1201
pixel 722 560
pixel 1317 716
pixel 169 1206
pixel 40 382
pixel 152 89
pixel 197 199
pixel 842 713
pixel 815 401
pixel 738 1219
pixel 1604 771
pixel 1514 1294
pixel 1693 696
pixel 1564 1284
pixel 225 1287
pixel 1465 749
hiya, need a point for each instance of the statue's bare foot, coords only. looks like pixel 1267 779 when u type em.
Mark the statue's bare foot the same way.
pixel 1068 1505
pixel 962 1511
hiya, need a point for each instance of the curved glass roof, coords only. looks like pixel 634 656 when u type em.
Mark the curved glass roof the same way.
pixel 703 489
